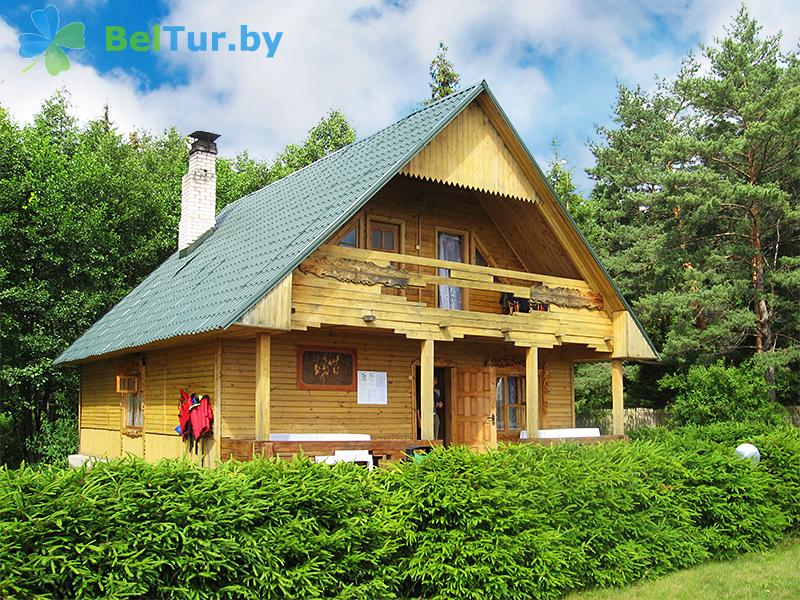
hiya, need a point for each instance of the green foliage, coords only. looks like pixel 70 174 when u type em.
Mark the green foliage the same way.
pixel 779 446
pixel 85 215
pixel 696 204
pixel 521 522
pixel 57 439
pixel 10 451
pixel 444 79
pixel 592 390
pixel 720 393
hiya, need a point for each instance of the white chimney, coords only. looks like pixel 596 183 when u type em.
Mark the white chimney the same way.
pixel 199 189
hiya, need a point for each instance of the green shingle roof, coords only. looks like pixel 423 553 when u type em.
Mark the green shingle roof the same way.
pixel 260 238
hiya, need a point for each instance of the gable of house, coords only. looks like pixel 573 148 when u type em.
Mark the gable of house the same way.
pixel 239 274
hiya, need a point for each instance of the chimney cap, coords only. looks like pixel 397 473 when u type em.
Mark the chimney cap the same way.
pixel 204 136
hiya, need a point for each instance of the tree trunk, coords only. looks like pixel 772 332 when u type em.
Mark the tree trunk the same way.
pixel 764 340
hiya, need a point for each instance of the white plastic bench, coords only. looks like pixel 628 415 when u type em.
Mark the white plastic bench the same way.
pixel 319 437
pixel 353 456
pixel 563 434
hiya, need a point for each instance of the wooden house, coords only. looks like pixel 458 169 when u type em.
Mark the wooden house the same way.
pixel 318 312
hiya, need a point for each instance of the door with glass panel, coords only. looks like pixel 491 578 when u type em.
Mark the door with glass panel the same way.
pixel 450 248
pixel 511 404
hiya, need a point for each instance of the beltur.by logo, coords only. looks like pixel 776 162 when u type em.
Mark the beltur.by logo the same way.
pixel 177 37
pixel 50 41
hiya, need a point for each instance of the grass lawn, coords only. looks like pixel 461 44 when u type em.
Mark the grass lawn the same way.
pixel 773 574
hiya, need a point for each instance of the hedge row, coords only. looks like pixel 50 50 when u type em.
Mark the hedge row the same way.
pixel 522 522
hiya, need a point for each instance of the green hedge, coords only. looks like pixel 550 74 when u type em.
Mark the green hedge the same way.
pixel 522 522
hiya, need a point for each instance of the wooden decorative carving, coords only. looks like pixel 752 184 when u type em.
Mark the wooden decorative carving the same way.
pixel 506 361
pixel 544 386
pixel 355 271
pixel 326 369
pixel 567 297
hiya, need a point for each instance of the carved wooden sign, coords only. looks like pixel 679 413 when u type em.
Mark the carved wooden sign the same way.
pixel 354 271
pixel 326 369
pixel 567 297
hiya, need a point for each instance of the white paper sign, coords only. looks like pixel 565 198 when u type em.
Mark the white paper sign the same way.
pixel 372 387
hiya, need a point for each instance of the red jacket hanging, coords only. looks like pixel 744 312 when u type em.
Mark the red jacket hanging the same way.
pixel 184 415
pixel 202 417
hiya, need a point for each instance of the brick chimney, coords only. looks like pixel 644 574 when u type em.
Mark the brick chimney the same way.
pixel 199 189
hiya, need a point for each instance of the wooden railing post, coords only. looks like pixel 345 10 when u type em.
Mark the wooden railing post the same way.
pixel 262 386
pixel 426 390
pixel 532 391
pixel 617 403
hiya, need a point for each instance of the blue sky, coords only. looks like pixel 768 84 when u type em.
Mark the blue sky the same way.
pixel 553 65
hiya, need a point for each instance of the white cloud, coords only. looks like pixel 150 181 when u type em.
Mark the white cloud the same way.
pixel 374 69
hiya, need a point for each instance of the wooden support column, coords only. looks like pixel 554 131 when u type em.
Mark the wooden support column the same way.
pixel 532 391
pixel 262 386
pixel 426 390
pixel 617 404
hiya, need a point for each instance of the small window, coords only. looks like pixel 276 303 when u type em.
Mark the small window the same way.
pixel 127 384
pixel 133 411
pixel 384 236
pixel 350 239
pixel 480 259
pixel 510 399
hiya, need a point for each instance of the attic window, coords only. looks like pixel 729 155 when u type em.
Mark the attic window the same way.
pixel 384 236
pixel 350 239
pixel 480 259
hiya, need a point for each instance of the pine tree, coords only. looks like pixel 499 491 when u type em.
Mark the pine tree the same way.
pixel 697 198
pixel 444 79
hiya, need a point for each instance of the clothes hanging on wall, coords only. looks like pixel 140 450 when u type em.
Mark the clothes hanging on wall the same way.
pixel 196 418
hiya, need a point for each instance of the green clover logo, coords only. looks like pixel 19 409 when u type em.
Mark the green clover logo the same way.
pixel 50 40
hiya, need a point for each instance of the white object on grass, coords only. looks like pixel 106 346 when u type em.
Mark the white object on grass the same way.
pixel 749 452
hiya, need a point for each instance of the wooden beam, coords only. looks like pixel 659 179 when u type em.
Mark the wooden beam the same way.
pixel 617 404
pixel 385 258
pixel 532 391
pixel 262 386
pixel 426 389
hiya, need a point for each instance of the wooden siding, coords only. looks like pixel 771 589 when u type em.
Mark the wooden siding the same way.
pixel 629 343
pixel 273 311
pixel 532 237
pixel 166 371
pixel 560 404
pixel 100 442
pixel 469 152
pixel 158 446
pixel 302 411
pixel 238 389
pixel 100 403
pixel 189 367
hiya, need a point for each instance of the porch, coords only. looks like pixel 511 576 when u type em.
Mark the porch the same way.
pixel 484 385
pixel 381 450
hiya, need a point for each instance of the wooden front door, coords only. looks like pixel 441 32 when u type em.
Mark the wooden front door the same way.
pixel 473 414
